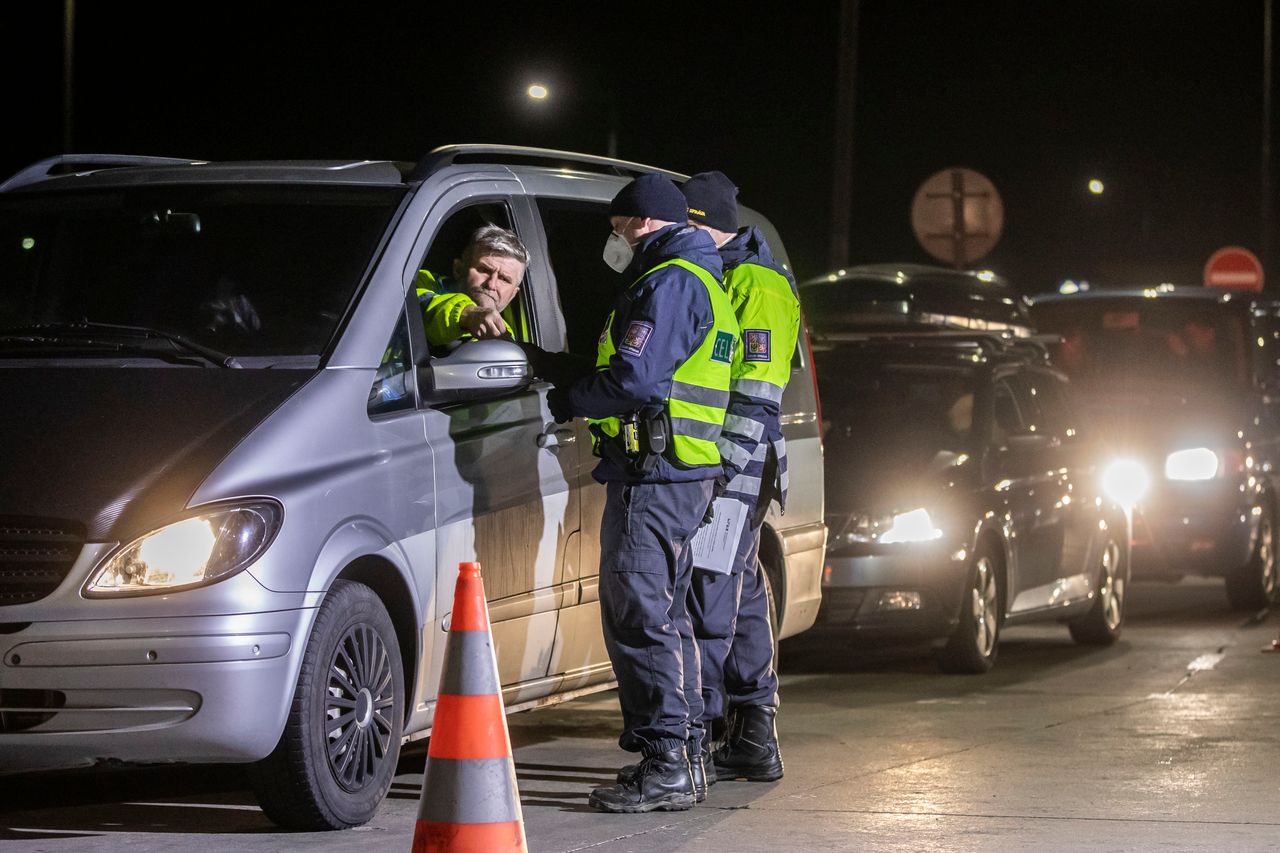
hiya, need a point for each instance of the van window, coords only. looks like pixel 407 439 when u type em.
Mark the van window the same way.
pixel 392 389
pixel 250 270
pixel 576 233
pixel 436 272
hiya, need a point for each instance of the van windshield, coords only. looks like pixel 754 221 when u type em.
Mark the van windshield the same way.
pixel 1151 342
pixel 246 271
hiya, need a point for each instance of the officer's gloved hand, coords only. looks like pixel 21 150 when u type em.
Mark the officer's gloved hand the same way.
pixel 722 482
pixel 558 403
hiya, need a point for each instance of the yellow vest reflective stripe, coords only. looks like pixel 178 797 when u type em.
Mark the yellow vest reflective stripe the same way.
pixel 700 386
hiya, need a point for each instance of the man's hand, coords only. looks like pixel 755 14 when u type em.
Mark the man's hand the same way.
pixel 481 322
pixel 558 404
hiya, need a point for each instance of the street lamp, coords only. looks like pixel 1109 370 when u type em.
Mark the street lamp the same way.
pixel 541 93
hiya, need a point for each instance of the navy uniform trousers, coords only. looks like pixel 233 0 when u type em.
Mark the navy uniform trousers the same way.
pixel 735 639
pixel 646 570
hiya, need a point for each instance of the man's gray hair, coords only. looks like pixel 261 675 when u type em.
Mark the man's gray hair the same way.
pixel 496 240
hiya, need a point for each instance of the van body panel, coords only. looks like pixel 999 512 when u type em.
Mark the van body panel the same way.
pixel 125 447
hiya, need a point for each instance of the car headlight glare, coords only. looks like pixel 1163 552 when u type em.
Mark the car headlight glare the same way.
pixel 1195 463
pixel 195 551
pixel 913 526
pixel 1125 481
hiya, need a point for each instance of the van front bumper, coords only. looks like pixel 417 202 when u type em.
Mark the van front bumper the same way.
pixel 190 689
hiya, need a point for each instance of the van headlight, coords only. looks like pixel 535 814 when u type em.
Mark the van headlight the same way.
pixel 1195 463
pixel 195 551
pixel 914 526
pixel 1125 481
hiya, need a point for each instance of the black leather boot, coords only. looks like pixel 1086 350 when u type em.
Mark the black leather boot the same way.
pixel 662 782
pixel 750 748
pixel 700 766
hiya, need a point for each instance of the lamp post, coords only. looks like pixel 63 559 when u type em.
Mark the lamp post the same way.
pixel 541 93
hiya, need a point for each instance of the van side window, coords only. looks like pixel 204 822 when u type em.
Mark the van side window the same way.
pixel 392 388
pixel 576 232
pixel 438 271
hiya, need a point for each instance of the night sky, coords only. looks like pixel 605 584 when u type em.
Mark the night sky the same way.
pixel 1160 99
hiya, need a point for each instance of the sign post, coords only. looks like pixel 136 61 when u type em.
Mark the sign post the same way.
pixel 1235 267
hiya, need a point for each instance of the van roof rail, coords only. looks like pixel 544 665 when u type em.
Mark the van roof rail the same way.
pixel 447 155
pixel 50 165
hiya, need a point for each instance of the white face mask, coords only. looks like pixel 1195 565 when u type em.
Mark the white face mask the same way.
pixel 617 252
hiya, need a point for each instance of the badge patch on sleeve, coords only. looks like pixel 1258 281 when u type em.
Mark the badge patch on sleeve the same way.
pixel 757 344
pixel 637 336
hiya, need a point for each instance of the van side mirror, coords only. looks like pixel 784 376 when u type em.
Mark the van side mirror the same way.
pixel 475 370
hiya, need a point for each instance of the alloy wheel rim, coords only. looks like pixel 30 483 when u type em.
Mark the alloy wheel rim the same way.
pixel 1113 586
pixel 984 601
pixel 358 708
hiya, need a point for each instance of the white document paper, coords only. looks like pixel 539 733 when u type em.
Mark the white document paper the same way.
pixel 716 544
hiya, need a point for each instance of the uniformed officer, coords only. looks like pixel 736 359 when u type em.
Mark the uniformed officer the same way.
pixel 731 612
pixel 486 277
pixel 656 402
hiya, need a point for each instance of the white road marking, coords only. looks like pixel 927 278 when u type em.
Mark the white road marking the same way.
pixel 1205 662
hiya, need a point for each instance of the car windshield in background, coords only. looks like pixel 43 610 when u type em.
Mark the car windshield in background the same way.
pixel 245 271
pixel 882 416
pixel 1141 341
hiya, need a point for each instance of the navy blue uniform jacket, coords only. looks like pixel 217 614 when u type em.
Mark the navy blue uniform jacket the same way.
pixel 667 314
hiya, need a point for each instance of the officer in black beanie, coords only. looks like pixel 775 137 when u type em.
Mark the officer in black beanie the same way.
pixel 656 402
pixel 731 612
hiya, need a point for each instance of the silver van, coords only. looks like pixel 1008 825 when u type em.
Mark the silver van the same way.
pixel 235 485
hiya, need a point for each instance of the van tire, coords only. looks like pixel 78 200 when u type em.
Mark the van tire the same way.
pixel 299 785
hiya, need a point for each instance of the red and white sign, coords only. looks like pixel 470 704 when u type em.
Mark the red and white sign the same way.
pixel 1233 266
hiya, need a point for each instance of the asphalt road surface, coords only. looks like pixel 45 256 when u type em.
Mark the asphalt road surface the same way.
pixel 1169 740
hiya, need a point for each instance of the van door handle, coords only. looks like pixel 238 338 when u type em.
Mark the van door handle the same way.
pixel 556 438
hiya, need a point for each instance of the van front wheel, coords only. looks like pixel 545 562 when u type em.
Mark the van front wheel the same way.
pixel 336 758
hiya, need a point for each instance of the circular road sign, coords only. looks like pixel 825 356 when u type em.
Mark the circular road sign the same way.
pixel 1233 266
pixel 957 216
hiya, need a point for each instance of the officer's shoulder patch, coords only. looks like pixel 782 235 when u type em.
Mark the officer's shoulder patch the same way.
pixel 637 335
pixel 722 348
pixel 756 344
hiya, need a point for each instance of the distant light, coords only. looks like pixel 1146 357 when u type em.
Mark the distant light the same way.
pixel 1068 287
pixel 1096 187
pixel 833 277
pixel 28 243
pixel 841 272
pixel 986 275
pixel 537 91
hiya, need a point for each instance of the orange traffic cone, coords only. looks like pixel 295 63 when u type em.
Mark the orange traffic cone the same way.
pixel 469 801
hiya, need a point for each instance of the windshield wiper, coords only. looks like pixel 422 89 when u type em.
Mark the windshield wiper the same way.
pixel 72 332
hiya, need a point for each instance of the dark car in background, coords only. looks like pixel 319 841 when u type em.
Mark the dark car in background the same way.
pixel 1180 382
pixel 911 296
pixel 961 488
